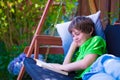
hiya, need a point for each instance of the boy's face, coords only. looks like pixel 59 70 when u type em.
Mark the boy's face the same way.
pixel 80 37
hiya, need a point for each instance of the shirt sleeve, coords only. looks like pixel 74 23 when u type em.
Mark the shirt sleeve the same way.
pixel 96 46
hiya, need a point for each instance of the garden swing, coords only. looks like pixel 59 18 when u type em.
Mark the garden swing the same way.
pixel 45 39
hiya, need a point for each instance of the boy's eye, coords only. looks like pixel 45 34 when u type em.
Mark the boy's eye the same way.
pixel 77 33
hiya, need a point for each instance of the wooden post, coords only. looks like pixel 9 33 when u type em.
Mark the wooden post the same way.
pixel 36 49
pixel 109 10
pixel 93 8
pixel 38 30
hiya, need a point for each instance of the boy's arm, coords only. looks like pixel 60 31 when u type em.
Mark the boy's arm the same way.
pixel 81 64
pixel 78 65
pixel 70 53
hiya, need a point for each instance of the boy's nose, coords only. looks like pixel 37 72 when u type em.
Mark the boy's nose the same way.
pixel 75 38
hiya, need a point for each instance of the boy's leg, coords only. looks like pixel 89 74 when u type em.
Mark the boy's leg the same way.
pixel 39 73
pixel 101 76
pixel 112 67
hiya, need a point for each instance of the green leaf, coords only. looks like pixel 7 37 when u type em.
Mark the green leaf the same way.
pixel 12 10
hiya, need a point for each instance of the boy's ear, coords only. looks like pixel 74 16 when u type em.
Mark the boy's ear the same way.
pixel 92 31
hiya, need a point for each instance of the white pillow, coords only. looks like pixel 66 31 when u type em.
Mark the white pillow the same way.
pixel 66 37
pixel 98 25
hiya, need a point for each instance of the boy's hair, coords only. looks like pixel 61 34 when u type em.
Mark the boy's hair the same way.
pixel 83 24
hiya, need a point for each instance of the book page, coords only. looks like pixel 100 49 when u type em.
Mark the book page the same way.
pixel 48 66
pixel 42 64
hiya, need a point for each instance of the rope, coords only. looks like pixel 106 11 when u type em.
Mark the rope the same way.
pixel 53 31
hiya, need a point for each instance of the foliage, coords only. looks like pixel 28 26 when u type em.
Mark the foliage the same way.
pixel 55 58
pixel 18 22
pixel 113 15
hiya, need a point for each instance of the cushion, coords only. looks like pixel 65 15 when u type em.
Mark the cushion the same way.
pixel 66 37
pixel 112 34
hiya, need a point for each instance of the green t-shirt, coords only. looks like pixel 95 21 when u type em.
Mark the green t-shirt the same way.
pixel 94 45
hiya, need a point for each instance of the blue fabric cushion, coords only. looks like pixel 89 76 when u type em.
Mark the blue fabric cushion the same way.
pixel 112 34
pixel 66 36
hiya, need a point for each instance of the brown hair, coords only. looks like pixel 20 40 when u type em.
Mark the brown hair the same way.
pixel 83 24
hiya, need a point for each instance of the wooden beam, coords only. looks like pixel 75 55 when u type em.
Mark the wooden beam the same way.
pixel 49 40
pixel 52 49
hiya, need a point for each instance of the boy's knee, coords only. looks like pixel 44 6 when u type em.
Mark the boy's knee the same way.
pixel 101 76
pixel 29 60
pixel 112 67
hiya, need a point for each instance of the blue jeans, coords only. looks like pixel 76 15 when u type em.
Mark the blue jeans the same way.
pixel 39 73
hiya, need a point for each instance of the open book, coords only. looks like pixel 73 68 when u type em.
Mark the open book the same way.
pixel 47 66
